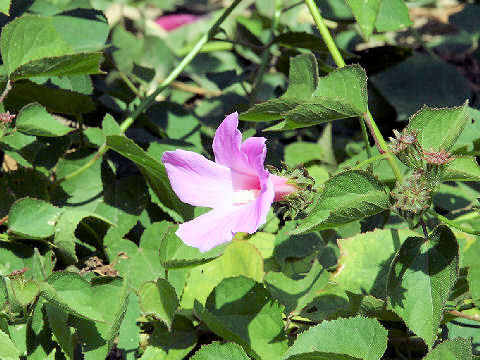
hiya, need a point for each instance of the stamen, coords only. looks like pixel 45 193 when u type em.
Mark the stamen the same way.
pixel 243 197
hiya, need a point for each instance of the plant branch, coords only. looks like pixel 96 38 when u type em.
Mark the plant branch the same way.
pixel 5 92
pixel 369 161
pixel 148 101
pixel 452 223
pixel 465 316
pixel 337 57
pixel 266 54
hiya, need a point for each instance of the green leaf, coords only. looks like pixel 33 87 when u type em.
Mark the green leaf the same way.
pixel 439 128
pixel 129 334
pixel 33 219
pixel 33 119
pixel 8 351
pixel 111 299
pixel 143 263
pixel 465 328
pixel 301 39
pixel 357 338
pixel 365 13
pixel 174 253
pixel 457 349
pixel 5 7
pixel 159 300
pixel 72 294
pixel 154 172
pixel 421 79
pixel 24 291
pixel 302 152
pixel 219 351
pixel 474 282
pixel 421 276
pixel 348 196
pixel 3 293
pixel 54 99
pixel 50 46
pixel 365 260
pixel 340 94
pixel 462 169
pixel 58 322
pixel 239 259
pixel 241 310
pixel 393 15
pixel 296 294
pixel 65 228
pixel 42 265
pixel 303 80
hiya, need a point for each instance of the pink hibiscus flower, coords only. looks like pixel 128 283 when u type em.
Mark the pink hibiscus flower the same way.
pixel 236 186
pixel 171 22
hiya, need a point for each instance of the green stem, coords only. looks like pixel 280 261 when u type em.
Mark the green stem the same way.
pixel 365 140
pixel 327 37
pixel 369 161
pixel 452 223
pixel 148 101
pixel 266 54
pixel 337 57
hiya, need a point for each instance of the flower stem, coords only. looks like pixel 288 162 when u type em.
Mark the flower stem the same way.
pixel 266 54
pixel 327 37
pixel 337 57
pixel 452 223
pixel 369 161
pixel 148 101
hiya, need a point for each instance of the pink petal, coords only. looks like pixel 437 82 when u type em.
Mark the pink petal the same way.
pixel 227 144
pixel 211 229
pixel 196 180
pixel 171 22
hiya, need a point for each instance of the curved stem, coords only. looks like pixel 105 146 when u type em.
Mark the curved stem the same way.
pixel 452 223
pixel 266 54
pixel 369 161
pixel 337 57
pixel 148 101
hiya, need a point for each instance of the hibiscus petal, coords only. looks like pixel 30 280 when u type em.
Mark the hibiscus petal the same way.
pixel 227 144
pixel 196 180
pixel 211 229
pixel 171 22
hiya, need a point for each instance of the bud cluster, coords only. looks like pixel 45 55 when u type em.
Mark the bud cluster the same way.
pixel 5 121
pixel 413 197
pixel 406 147
pixel 299 178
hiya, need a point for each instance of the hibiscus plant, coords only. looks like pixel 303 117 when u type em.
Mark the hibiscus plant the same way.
pixel 238 179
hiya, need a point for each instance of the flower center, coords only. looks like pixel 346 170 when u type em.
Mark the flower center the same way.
pixel 242 197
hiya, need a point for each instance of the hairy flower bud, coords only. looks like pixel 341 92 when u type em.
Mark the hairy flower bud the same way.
pixel 298 178
pixel 405 146
pixel 413 197
pixel 435 165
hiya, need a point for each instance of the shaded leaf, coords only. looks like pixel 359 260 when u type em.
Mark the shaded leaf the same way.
pixel 296 294
pixel 159 300
pixel 241 310
pixel 421 276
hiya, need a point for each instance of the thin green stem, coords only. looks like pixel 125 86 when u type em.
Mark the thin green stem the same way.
pixel 325 33
pixel 337 57
pixel 148 101
pixel 382 144
pixel 266 54
pixel 369 161
pixel 365 140
pixel 452 223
